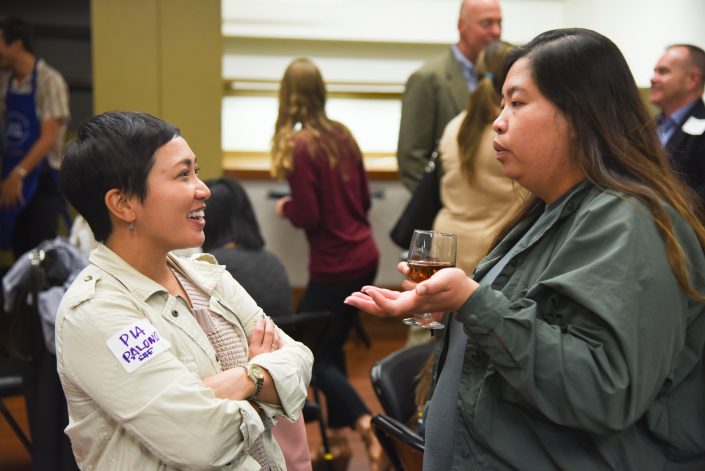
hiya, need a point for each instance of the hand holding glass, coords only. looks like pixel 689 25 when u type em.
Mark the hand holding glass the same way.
pixel 429 252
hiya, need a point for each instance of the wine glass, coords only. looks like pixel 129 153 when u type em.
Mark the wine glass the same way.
pixel 429 252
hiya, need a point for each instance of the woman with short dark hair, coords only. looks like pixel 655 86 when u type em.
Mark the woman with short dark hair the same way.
pixel 166 362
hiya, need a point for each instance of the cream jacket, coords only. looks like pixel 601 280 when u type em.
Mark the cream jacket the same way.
pixel 146 408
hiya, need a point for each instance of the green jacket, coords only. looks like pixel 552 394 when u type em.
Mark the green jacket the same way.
pixel 585 354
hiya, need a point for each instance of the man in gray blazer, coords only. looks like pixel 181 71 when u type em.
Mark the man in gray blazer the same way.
pixel 677 90
pixel 438 91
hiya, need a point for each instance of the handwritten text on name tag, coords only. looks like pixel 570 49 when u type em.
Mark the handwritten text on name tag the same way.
pixel 137 344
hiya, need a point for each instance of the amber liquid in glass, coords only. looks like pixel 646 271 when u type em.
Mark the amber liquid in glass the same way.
pixel 421 270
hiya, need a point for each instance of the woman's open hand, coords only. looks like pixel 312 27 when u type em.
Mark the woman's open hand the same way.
pixel 447 290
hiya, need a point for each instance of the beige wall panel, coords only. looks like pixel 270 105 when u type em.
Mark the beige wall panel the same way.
pixel 125 55
pixel 163 57
pixel 191 79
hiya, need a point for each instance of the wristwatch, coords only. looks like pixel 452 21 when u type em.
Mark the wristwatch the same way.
pixel 256 374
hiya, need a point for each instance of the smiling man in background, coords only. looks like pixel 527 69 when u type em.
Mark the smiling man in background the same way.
pixel 677 90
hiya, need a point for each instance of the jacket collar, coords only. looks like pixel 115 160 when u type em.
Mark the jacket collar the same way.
pixel 561 209
pixel 203 275
pixel 697 110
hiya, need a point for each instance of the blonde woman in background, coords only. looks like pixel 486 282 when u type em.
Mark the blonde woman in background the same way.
pixel 330 199
pixel 477 197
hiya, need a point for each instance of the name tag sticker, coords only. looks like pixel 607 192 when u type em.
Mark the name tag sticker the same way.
pixel 136 344
pixel 694 126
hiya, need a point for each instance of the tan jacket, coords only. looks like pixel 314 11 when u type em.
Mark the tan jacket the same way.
pixel 161 415
pixel 473 210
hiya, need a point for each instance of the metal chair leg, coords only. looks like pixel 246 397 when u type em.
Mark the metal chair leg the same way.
pixel 327 455
pixel 15 427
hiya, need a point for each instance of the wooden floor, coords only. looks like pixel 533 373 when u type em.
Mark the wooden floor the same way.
pixel 386 335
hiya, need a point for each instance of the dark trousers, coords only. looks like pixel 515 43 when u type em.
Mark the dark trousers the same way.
pixel 39 221
pixel 330 373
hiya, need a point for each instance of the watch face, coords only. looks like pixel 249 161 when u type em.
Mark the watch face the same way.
pixel 257 373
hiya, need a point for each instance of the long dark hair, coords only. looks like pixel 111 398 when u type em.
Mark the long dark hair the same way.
pixel 230 217
pixel 586 77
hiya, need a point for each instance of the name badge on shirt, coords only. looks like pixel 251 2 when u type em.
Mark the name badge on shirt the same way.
pixel 694 126
pixel 136 344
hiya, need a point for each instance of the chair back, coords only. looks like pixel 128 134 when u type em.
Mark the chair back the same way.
pixel 309 328
pixel 394 380
pixel 404 448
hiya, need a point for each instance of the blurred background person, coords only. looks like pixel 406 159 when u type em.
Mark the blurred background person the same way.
pixel 35 109
pixel 477 197
pixel 233 237
pixel 578 343
pixel 677 90
pixel 438 91
pixel 330 201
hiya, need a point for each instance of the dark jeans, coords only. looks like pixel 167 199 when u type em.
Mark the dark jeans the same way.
pixel 39 221
pixel 344 405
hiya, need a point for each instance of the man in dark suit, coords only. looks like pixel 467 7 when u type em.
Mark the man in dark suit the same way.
pixel 439 90
pixel 677 90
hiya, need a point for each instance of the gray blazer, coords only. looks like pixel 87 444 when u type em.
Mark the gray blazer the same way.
pixel 433 96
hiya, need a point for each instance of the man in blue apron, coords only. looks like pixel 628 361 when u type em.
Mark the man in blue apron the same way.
pixel 34 107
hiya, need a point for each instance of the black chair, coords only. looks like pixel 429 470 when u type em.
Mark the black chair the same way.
pixel 310 328
pixel 404 448
pixel 11 385
pixel 394 380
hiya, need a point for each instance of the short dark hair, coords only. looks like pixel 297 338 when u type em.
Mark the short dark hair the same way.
pixel 13 29
pixel 113 150
pixel 230 217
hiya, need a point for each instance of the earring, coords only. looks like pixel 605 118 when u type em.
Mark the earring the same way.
pixel 131 226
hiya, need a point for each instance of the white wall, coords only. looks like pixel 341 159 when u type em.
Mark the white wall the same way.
pixel 641 28
pixel 290 243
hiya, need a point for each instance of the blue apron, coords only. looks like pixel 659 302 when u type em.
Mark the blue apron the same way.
pixel 21 131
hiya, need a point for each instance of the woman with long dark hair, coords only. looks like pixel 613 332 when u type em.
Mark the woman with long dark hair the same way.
pixel 578 342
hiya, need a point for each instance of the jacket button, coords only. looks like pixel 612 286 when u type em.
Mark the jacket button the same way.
pixel 88 278
pixel 465 454
pixel 175 313
pixel 473 320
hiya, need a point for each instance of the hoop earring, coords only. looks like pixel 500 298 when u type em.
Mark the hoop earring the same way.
pixel 131 226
